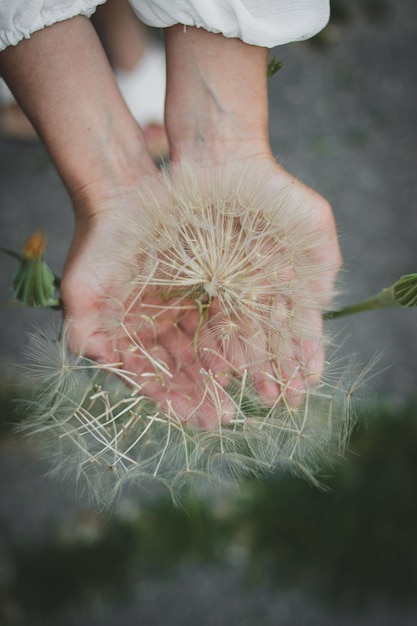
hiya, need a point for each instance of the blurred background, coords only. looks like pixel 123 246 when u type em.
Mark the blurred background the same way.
pixel 343 118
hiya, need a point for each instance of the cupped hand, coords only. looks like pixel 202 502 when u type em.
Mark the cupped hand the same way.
pixel 268 273
pixel 109 321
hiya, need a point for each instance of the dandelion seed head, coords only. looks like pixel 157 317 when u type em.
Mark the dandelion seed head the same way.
pixel 106 435
pixel 221 250
pixel 241 246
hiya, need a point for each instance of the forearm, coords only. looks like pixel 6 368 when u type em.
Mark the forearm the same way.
pixel 63 81
pixel 217 103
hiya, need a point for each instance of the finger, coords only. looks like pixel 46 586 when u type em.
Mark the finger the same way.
pixel 206 337
pixel 258 365
pixel 286 370
pixel 311 350
pixel 83 338
pixel 172 376
pixel 301 355
pixel 147 362
pixel 225 332
pixel 180 346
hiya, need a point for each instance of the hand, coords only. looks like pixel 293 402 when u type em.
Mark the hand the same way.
pixel 217 114
pixel 117 324
pixel 255 259
pixel 287 349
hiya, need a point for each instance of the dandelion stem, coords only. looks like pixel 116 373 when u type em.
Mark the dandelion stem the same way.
pixel 403 293
pixel 381 300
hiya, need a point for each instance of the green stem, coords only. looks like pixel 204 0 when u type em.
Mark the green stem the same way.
pixel 382 300
pixel 403 293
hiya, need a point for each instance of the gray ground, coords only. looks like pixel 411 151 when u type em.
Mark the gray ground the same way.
pixel 343 119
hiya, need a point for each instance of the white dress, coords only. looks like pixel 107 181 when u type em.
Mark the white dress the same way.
pixel 265 23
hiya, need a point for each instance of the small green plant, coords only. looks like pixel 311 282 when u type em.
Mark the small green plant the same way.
pixel 274 65
pixel 34 284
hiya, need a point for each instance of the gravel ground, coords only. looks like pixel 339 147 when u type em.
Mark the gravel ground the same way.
pixel 343 119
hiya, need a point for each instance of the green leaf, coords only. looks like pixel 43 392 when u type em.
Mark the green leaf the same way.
pixel 274 65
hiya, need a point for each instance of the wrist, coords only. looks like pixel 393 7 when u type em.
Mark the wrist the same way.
pixel 115 197
pixel 114 169
pixel 63 81
pixel 216 150
pixel 217 104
